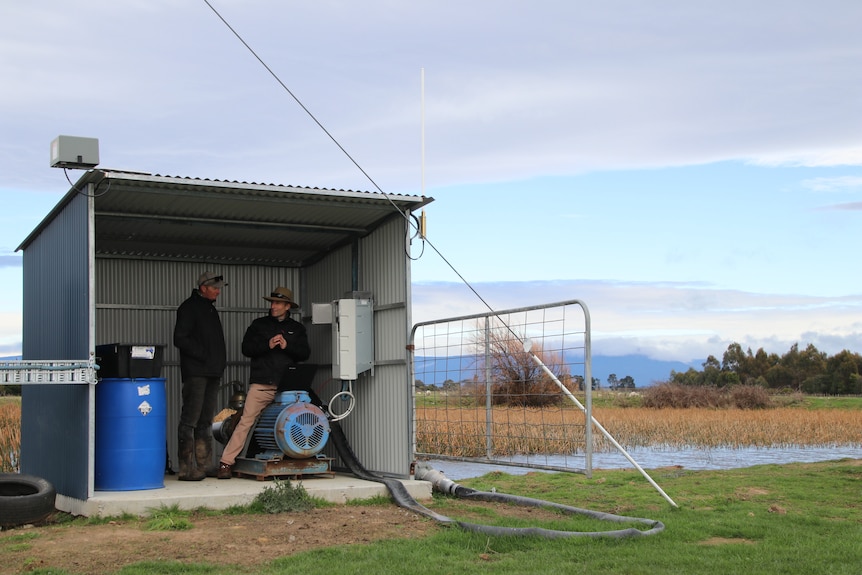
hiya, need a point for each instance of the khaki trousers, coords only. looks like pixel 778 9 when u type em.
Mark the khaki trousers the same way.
pixel 259 397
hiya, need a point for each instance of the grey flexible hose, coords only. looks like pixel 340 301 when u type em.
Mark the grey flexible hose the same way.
pixel 403 499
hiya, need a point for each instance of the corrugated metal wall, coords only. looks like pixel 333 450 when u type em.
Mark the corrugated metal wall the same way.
pixel 55 418
pixel 137 302
pixel 379 427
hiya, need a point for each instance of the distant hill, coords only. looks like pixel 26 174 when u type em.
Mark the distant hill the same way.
pixel 644 371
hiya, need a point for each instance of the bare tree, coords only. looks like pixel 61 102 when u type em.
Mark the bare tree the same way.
pixel 515 378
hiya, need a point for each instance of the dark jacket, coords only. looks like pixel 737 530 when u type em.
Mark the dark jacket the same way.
pixel 268 365
pixel 199 336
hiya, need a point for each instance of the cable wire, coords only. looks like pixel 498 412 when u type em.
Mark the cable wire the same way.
pixel 355 163
pixel 396 488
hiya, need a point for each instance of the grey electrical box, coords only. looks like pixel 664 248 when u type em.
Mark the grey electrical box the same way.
pixel 74 152
pixel 352 322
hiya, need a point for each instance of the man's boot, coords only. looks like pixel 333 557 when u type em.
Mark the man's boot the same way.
pixel 186 454
pixel 204 452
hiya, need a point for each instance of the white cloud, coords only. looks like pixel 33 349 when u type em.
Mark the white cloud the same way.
pixel 668 322
pixel 10 333
pixel 512 89
pixel 840 184
pixel 515 92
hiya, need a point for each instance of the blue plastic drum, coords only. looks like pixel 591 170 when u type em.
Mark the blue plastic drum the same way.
pixel 131 416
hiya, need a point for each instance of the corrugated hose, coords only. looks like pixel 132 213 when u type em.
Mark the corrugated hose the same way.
pixel 444 485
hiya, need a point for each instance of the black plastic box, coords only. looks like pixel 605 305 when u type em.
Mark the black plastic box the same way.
pixel 130 360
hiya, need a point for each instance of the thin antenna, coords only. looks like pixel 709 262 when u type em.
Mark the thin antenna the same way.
pixel 422 121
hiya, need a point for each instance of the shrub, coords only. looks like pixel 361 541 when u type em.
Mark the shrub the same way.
pixel 750 397
pixel 682 396
pixel 283 497
pixel 679 396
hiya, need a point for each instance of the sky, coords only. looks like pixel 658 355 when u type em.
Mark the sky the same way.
pixel 691 171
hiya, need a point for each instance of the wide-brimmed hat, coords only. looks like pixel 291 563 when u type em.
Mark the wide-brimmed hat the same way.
pixel 211 279
pixel 281 294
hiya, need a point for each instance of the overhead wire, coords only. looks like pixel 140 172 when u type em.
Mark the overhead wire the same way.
pixel 350 157
pixel 399 492
pixel 95 188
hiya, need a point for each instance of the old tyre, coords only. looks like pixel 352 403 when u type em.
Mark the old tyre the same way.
pixel 24 499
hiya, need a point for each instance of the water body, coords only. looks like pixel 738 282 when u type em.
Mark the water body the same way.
pixel 649 458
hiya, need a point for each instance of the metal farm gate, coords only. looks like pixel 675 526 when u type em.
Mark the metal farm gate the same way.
pixel 503 388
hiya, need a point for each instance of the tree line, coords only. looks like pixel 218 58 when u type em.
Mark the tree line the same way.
pixel 808 370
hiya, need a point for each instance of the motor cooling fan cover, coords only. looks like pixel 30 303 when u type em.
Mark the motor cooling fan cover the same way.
pixel 301 430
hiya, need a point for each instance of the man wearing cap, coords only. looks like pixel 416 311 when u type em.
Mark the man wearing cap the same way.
pixel 273 342
pixel 203 356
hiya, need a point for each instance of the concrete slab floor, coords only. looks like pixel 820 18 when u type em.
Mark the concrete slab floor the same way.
pixel 215 493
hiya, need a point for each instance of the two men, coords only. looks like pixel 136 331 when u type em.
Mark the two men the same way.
pixel 273 342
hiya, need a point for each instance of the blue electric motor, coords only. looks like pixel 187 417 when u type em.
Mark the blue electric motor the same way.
pixel 292 425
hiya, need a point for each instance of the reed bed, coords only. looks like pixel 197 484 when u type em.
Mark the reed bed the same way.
pixel 10 436
pixel 461 432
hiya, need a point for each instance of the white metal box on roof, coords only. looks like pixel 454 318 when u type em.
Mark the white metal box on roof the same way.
pixel 121 250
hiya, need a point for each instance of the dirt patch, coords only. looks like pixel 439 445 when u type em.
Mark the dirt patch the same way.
pixel 246 540
pixel 726 541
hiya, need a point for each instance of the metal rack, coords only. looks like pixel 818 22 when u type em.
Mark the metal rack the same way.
pixel 47 372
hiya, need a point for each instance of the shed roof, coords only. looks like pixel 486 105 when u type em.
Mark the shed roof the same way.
pixel 178 218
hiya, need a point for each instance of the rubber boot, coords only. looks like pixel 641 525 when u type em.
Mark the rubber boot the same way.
pixel 204 452
pixel 186 454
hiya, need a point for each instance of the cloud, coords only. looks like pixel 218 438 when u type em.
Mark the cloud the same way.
pixel 812 158
pixel 10 333
pixel 850 207
pixel 512 89
pixel 681 322
pixel 840 184
pixel 11 261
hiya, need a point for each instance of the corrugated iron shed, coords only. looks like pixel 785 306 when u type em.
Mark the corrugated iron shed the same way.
pixel 165 217
pixel 120 252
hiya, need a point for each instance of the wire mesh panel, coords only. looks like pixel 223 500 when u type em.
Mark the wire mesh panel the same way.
pixel 503 387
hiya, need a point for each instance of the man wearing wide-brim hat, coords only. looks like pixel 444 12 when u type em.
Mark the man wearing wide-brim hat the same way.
pixel 273 342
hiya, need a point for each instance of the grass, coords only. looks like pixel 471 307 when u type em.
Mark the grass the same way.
pixel 283 497
pixel 168 519
pixel 832 402
pixel 280 497
pixel 770 519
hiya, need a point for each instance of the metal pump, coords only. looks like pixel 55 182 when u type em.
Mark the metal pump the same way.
pixel 286 440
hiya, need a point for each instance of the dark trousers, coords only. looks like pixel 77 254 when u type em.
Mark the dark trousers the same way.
pixel 200 397
pixel 194 436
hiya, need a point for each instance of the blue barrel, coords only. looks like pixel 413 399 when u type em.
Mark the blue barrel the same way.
pixel 131 416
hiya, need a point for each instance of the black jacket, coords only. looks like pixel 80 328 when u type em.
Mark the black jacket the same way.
pixel 268 365
pixel 199 336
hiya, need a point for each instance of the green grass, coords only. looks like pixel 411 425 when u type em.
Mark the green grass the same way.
pixel 769 519
pixel 166 518
pixel 832 402
pixel 19 542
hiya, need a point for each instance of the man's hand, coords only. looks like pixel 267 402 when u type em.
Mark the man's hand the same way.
pixel 277 341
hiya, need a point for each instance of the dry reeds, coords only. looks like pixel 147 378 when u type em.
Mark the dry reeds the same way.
pixel 461 432
pixel 10 436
